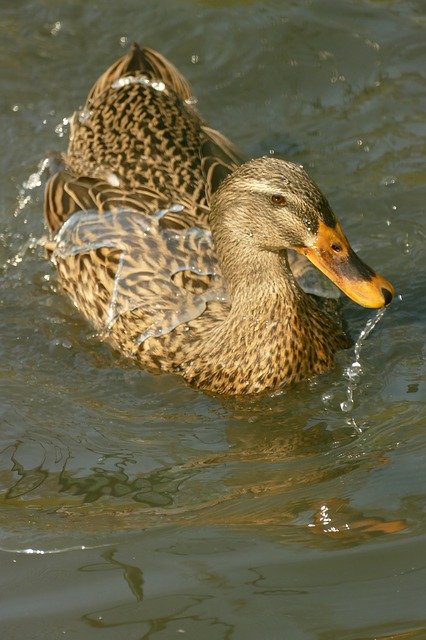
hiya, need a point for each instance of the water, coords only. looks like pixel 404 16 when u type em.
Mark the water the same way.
pixel 163 512
pixel 354 370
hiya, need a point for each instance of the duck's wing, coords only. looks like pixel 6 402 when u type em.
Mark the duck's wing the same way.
pixel 66 194
pixel 118 253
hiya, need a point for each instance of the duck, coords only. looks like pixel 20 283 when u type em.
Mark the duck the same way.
pixel 187 258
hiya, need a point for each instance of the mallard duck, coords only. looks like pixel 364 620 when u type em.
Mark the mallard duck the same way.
pixel 181 254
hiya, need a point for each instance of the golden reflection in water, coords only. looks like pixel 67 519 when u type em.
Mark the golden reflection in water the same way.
pixel 280 475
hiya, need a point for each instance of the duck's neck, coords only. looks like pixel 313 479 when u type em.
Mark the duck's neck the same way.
pixel 274 331
pixel 251 274
pixel 263 292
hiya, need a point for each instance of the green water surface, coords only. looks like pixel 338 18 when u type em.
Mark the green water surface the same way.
pixel 134 507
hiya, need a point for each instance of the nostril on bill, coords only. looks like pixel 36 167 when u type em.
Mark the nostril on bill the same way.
pixel 388 295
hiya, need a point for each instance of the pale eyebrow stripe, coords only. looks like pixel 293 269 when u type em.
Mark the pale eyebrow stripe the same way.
pixel 260 187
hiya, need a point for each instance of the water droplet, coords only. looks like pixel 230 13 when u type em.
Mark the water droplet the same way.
pixel 61 128
pixel 55 29
pixel 388 181
pixel 175 208
pixel 373 44
pixel 113 179
pixel 84 115
pixel 325 55
pixel 158 86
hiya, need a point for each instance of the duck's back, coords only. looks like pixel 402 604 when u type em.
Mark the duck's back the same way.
pixel 139 133
pixel 128 210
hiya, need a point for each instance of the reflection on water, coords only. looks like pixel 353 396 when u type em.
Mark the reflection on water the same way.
pixel 171 512
pixel 265 471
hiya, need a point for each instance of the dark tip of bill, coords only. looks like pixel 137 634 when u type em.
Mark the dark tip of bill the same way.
pixel 387 295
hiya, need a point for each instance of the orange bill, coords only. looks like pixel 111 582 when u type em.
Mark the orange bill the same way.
pixel 333 255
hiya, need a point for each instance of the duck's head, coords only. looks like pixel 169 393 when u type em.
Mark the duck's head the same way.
pixel 273 205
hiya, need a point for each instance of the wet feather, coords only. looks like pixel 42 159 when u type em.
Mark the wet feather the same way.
pixel 131 212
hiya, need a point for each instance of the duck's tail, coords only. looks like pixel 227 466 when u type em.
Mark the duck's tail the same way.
pixel 142 62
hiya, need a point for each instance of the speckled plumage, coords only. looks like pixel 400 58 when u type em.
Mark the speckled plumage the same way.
pixel 143 184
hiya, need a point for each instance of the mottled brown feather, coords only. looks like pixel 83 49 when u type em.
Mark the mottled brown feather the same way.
pixel 144 179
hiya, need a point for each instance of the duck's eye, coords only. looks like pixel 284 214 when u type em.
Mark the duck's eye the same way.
pixel 279 199
pixel 336 247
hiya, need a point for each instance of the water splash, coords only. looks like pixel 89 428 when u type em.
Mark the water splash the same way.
pixel 17 258
pixel 33 181
pixel 24 198
pixel 354 371
pixel 62 128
